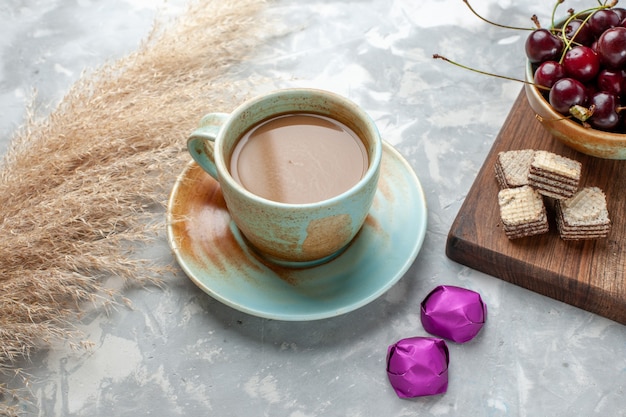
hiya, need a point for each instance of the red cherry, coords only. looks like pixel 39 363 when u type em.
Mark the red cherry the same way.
pixel 582 63
pixel 579 32
pixel 602 20
pixel 541 45
pixel 565 93
pixel 611 47
pixel 548 73
pixel 612 81
pixel 605 115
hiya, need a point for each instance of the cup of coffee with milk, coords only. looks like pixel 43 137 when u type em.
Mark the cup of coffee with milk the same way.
pixel 298 169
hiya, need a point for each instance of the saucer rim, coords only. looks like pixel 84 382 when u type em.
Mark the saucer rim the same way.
pixel 394 277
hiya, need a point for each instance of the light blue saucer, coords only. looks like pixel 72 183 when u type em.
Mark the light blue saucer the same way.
pixel 210 250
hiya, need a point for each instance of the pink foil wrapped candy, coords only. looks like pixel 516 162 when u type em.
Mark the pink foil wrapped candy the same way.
pixel 418 366
pixel 453 313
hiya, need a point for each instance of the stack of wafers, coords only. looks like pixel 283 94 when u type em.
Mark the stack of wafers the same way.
pixel 583 216
pixel 554 175
pixel 522 211
pixel 528 176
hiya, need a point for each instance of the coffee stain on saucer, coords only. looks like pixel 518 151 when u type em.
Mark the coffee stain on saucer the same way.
pixel 202 223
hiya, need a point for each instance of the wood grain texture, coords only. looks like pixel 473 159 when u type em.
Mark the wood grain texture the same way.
pixel 587 274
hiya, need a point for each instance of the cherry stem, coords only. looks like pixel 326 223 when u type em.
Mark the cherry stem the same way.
pixel 582 113
pixel 568 42
pixel 556 6
pixel 437 56
pixel 489 21
pixel 535 20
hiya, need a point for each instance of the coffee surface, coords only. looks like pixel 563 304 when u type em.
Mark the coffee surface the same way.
pixel 299 158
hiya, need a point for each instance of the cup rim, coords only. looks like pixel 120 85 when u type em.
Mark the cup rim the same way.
pixel 375 159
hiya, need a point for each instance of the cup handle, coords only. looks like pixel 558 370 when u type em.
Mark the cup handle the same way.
pixel 201 142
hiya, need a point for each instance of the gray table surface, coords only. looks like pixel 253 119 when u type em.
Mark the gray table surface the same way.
pixel 179 352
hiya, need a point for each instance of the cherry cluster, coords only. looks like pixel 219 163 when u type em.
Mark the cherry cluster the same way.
pixel 581 66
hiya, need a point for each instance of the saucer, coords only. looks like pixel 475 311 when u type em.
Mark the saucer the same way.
pixel 214 255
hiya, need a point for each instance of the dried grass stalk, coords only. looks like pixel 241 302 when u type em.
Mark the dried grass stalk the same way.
pixel 82 185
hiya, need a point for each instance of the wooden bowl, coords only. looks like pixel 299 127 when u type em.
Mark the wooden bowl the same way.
pixel 593 142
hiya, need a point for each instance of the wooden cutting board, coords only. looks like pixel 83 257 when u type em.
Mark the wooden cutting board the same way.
pixel 587 274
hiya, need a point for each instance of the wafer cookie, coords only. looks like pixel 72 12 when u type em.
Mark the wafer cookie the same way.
pixel 512 167
pixel 554 175
pixel 583 216
pixel 522 212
